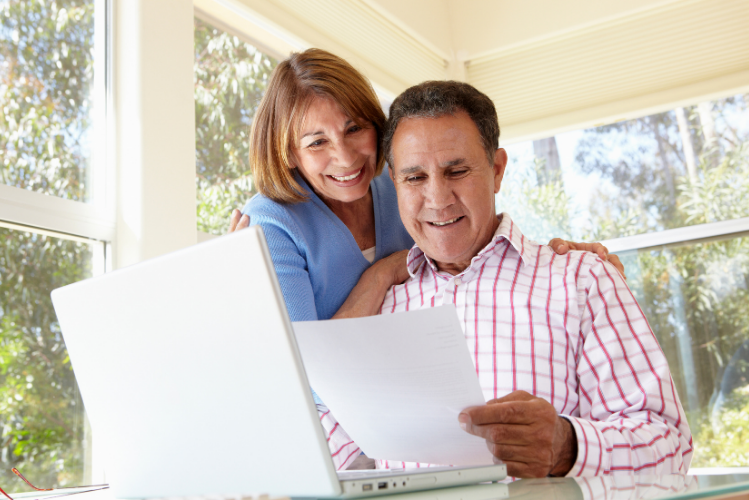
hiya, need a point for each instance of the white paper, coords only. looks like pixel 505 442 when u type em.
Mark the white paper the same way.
pixel 396 383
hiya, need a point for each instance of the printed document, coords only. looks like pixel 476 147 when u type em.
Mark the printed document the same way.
pixel 396 383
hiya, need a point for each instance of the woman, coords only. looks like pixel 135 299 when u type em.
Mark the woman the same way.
pixel 325 205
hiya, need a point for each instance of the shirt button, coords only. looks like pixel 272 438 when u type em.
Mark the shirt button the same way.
pixel 458 282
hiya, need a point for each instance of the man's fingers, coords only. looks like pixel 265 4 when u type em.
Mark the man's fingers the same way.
pixel 522 454
pixel 234 220
pixel 513 396
pixel 524 470
pixel 511 412
pixel 613 259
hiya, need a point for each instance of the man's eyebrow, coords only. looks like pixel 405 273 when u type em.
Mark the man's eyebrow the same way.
pixel 454 162
pixel 418 168
pixel 320 132
pixel 411 170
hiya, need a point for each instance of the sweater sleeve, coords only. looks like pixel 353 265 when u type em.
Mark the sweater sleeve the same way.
pixel 631 419
pixel 291 269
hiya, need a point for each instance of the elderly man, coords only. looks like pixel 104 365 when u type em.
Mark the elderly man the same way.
pixel 575 380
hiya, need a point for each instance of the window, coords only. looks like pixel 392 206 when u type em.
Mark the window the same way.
pixel 44 431
pixel 52 228
pixel 47 75
pixel 230 79
pixel 654 176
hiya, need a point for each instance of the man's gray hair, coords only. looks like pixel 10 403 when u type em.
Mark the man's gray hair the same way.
pixel 435 99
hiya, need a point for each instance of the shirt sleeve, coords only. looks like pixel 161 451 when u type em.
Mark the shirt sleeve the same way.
pixel 342 448
pixel 630 417
pixel 291 269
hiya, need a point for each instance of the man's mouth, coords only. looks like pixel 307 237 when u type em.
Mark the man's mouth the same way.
pixel 447 222
pixel 348 177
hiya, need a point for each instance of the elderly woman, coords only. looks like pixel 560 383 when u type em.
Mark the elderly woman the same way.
pixel 328 210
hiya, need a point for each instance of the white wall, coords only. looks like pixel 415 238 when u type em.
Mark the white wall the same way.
pixel 153 107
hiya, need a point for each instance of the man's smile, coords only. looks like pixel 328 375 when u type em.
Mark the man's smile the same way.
pixel 446 223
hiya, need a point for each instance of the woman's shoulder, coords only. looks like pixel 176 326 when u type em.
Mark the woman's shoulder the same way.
pixel 290 217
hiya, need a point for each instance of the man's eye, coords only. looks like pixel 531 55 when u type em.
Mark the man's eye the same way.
pixel 414 178
pixel 458 173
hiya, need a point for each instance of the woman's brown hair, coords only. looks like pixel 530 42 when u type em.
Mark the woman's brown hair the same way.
pixel 293 85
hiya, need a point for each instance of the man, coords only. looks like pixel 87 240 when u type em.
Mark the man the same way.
pixel 576 381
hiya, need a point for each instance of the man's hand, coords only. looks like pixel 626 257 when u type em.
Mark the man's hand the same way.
pixel 561 247
pixel 238 221
pixel 524 432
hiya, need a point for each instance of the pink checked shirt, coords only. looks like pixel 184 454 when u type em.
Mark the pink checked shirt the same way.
pixel 565 328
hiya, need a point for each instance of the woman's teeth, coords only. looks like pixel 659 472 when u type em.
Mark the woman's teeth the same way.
pixel 456 219
pixel 348 177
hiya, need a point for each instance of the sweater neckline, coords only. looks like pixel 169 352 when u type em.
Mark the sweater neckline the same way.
pixel 336 220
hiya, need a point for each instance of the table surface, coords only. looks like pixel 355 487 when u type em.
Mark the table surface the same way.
pixel 595 488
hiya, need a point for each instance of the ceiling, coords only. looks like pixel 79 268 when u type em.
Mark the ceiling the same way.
pixel 548 65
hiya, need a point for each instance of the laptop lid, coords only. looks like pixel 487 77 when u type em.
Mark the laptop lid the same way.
pixel 191 377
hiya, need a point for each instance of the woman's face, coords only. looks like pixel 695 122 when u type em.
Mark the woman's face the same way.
pixel 335 156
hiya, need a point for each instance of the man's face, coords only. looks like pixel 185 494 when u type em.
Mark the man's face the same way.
pixel 446 187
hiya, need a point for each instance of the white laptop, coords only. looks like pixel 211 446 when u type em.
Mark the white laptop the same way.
pixel 194 385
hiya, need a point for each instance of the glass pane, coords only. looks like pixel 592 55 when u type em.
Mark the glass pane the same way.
pixel 46 69
pixel 44 433
pixel 695 298
pixel 684 167
pixel 230 79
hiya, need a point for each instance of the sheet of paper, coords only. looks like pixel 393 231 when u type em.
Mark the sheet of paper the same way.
pixel 396 383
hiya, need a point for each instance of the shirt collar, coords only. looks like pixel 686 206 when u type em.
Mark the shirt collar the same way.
pixel 506 231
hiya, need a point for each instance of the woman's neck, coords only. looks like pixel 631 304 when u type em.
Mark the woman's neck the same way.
pixel 358 216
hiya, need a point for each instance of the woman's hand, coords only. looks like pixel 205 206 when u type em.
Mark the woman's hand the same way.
pixel 561 247
pixel 367 296
pixel 238 221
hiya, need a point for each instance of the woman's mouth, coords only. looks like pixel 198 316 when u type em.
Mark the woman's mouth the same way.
pixel 348 177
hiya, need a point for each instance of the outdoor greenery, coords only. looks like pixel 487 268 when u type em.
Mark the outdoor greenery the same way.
pixel 230 79
pixel 46 70
pixel 684 167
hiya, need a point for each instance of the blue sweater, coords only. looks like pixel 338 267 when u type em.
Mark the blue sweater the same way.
pixel 316 258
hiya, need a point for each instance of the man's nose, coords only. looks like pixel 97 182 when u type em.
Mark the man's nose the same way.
pixel 439 193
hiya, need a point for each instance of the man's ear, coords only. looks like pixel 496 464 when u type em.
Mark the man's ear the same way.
pixel 500 163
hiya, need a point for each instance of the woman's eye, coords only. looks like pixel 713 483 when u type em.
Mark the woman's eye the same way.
pixel 353 129
pixel 317 143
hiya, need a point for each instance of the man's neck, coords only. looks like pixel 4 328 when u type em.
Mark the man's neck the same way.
pixel 456 268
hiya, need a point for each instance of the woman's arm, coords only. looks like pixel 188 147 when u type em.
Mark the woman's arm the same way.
pixel 367 296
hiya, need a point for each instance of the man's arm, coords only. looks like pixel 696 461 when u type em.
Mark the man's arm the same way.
pixel 342 448
pixel 630 417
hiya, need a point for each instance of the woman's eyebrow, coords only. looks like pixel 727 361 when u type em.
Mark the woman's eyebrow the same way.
pixel 320 132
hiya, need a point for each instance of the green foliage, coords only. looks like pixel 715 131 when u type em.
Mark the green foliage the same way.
pixel 541 208
pixel 725 445
pixel 41 410
pixel 46 71
pixel 720 192
pixel 230 78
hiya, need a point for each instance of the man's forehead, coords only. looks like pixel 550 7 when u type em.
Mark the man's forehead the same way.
pixel 447 140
